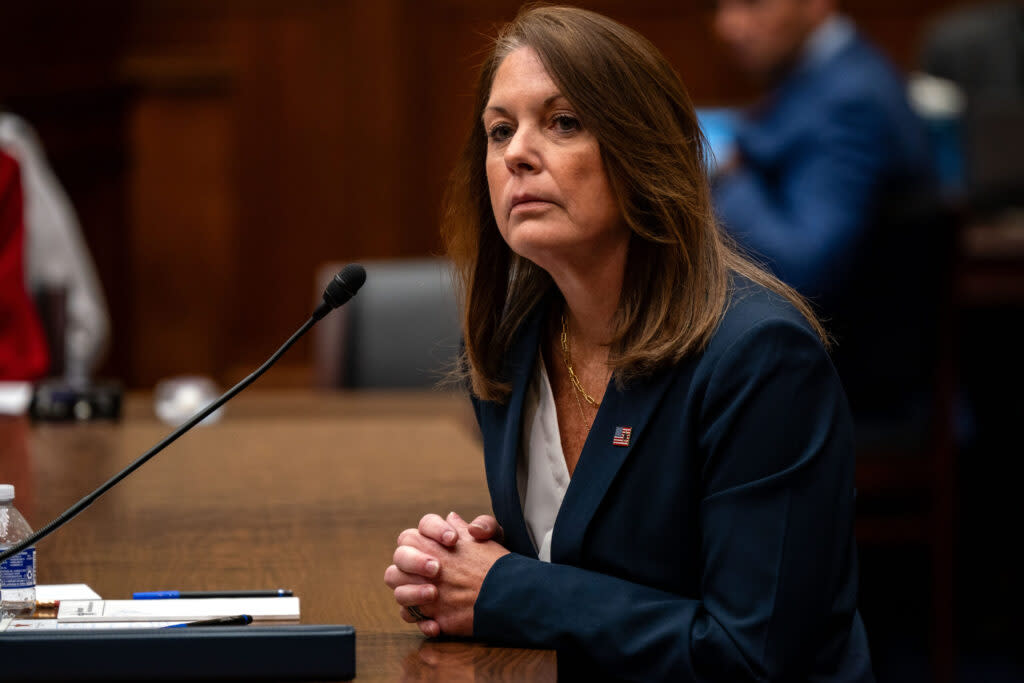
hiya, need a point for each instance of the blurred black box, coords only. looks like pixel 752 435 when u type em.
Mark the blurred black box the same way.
pixel 59 401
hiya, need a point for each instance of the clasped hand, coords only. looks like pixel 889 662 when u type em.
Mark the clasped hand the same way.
pixel 439 568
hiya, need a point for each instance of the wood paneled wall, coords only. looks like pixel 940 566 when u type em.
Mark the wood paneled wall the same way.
pixel 218 151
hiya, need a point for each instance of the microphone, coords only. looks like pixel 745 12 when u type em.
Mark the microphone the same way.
pixel 342 288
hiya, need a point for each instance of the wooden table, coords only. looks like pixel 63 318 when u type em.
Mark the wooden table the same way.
pixel 295 490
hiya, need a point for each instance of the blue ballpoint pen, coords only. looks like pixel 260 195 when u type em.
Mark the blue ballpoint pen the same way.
pixel 237 620
pixel 167 595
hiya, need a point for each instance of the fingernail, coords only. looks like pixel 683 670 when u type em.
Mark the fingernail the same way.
pixel 448 537
pixel 455 515
pixel 480 526
pixel 432 567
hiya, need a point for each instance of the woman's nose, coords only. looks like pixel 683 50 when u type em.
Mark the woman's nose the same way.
pixel 521 154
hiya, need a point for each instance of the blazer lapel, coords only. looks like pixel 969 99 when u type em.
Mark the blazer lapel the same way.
pixel 501 470
pixel 601 460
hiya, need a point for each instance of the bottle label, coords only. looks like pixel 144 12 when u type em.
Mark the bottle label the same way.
pixel 19 571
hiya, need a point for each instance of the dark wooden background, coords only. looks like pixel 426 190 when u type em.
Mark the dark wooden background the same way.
pixel 218 150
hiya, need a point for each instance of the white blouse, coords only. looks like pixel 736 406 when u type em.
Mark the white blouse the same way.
pixel 541 473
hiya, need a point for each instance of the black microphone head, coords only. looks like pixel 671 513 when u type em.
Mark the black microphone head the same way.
pixel 345 285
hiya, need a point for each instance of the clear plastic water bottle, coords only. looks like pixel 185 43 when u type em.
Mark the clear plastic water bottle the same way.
pixel 18 573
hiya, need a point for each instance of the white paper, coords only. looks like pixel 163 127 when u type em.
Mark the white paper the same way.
pixel 65 591
pixel 15 397
pixel 181 609
pixel 22 625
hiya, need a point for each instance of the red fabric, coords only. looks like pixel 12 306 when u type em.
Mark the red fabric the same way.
pixel 23 354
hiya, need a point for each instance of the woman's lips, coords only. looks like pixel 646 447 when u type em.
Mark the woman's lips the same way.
pixel 532 204
pixel 529 203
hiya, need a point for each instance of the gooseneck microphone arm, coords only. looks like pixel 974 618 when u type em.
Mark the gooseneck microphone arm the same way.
pixel 342 288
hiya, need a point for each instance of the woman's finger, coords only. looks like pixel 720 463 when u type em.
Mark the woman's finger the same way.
pixel 438 530
pixel 395 577
pixel 414 561
pixel 486 528
pixel 430 628
pixel 411 595
pixel 407 616
pixel 454 518
pixel 413 537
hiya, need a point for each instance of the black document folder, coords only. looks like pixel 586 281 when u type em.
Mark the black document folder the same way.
pixel 217 653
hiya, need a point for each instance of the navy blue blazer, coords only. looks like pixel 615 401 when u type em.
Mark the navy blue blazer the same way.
pixel 718 544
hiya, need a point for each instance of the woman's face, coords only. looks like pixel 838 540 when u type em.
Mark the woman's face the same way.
pixel 549 190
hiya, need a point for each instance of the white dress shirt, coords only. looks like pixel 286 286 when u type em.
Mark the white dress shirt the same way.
pixel 541 473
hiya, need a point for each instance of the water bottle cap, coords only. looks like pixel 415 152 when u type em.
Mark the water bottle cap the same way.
pixel 6 492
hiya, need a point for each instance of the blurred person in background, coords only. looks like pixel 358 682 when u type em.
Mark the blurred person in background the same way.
pixel 815 165
pixel 57 259
pixel 23 353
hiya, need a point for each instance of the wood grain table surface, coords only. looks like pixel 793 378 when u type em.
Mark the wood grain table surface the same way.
pixel 290 489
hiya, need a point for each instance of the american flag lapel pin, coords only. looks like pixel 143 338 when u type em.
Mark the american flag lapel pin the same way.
pixel 621 437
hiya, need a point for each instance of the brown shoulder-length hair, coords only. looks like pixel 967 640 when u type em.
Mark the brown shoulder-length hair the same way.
pixel 677 282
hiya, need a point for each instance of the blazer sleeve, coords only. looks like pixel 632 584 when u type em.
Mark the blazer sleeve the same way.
pixel 806 218
pixel 776 526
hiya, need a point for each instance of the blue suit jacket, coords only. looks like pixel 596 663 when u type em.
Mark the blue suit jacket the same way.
pixel 718 545
pixel 819 156
pixel 836 194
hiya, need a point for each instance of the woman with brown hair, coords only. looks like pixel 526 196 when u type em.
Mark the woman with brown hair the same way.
pixel 668 448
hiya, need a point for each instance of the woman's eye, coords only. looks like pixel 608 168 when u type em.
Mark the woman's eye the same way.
pixel 499 132
pixel 564 123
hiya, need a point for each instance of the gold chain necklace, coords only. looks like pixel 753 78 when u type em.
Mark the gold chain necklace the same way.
pixel 568 366
pixel 577 386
